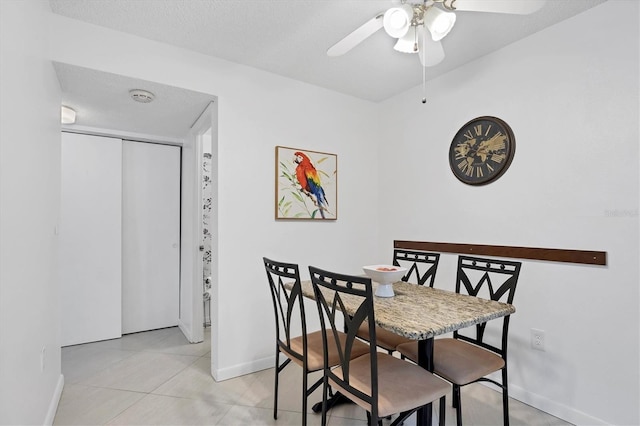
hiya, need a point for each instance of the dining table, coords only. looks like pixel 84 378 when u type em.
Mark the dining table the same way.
pixel 421 313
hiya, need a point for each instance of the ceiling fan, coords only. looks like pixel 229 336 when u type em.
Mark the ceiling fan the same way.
pixel 419 25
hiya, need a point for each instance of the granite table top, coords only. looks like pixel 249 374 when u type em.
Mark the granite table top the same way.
pixel 420 312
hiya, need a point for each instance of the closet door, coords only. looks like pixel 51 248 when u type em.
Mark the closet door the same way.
pixel 150 236
pixel 90 239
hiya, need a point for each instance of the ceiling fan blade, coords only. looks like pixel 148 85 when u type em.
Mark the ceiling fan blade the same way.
pixel 431 52
pixel 356 37
pixel 518 7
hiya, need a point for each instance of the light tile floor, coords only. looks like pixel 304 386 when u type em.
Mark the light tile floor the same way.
pixel 158 378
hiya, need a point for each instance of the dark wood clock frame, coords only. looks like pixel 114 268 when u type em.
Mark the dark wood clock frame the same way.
pixel 482 150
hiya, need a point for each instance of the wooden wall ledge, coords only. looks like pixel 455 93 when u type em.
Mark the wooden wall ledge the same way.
pixel 549 254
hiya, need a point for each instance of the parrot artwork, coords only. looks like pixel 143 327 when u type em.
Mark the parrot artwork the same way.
pixel 310 181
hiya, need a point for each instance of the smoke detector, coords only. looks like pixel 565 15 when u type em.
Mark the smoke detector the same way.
pixel 141 96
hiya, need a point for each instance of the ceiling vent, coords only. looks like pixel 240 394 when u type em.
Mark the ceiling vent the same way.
pixel 141 96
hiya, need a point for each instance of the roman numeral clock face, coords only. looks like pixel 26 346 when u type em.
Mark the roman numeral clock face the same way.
pixel 482 150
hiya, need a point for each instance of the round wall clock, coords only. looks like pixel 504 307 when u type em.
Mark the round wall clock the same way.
pixel 482 150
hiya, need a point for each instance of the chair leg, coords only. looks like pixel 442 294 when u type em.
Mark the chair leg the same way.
pixel 304 398
pixel 455 396
pixel 370 420
pixel 505 396
pixel 442 413
pixel 458 405
pixel 325 385
pixel 275 393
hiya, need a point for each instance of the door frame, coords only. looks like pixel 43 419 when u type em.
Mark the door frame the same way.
pixel 191 320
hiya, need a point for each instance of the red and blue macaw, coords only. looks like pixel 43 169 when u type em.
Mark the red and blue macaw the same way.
pixel 310 180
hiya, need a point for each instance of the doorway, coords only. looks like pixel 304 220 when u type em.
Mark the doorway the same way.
pixel 199 192
pixel 199 266
pixel 103 109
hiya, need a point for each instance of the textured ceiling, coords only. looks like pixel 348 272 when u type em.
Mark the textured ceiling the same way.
pixel 290 37
pixel 102 101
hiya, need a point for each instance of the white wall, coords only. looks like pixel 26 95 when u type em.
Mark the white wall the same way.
pixel 570 93
pixel 29 206
pixel 256 112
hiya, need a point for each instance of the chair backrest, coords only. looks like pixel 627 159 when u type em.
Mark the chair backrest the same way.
pixel 493 279
pixel 288 305
pixel 331 290
pixel 421 265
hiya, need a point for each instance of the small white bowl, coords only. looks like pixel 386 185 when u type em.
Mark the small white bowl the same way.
pixel 385 276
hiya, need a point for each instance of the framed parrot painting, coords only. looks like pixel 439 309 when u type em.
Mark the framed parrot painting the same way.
pixel 306 184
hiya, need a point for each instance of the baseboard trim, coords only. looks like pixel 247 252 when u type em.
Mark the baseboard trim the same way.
pixel 55 400
pixel 190 333
pixel 554 408
pixel 186 331
pixel 222 374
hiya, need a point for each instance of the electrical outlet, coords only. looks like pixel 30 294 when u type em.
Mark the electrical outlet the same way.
pixel 537 339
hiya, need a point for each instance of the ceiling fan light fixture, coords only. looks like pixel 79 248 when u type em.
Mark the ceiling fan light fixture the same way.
pixel 408 43
pixel 439 22
pixel 397 20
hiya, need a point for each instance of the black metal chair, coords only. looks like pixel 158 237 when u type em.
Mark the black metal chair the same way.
pixel 470 356
pixel 378 382
pixel 421 265
pixel 306 349
pixel 421 269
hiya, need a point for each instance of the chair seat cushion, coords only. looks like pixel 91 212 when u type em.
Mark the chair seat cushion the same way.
pixel 385 339
pixel 402 385
pixel 457 361
pixel 315 354
pixel 461 362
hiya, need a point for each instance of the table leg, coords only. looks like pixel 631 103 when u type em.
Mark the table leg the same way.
pixel 425 360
